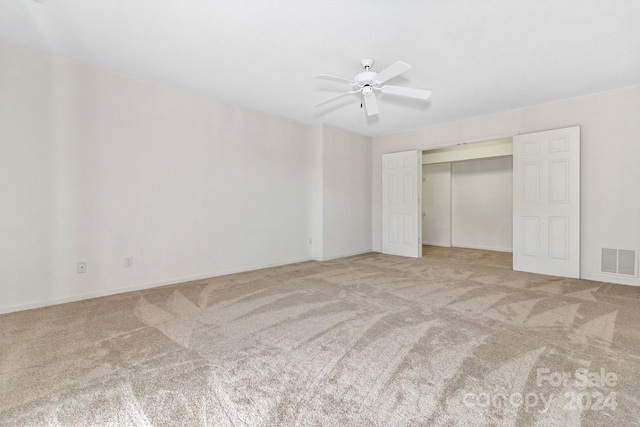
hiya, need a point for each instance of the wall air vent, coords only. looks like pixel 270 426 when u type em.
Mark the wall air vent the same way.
pixel 619 261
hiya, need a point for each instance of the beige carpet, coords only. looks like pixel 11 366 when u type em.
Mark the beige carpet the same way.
pixel 455 338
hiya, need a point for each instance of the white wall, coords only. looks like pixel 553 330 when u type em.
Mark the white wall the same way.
pixel 346 182
pixel 610 135
pixel 341 193
pixel 317 247
pixel 436 204
pixel 481 204
pixel 97 166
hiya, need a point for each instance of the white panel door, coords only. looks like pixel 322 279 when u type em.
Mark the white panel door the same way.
pixel 401 225
pixel 436 204
pixel 546 202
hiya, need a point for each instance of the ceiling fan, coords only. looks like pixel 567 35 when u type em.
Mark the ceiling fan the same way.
pixel 367 82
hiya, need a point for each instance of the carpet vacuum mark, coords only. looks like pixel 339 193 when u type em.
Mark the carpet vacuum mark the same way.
pixel 454 338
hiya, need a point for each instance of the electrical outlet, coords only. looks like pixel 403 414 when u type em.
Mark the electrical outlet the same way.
pixel 82 267
pixel 128 262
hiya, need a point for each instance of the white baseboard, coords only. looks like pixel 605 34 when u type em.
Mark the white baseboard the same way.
pixel 486 248
pixel 610 278
pixel 442 245
pixel 344 255
pixel 133 288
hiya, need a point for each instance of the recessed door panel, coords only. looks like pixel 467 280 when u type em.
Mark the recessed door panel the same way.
pixel 392 221
pixel 408 186
pixel 530 236
pixel 530 147
pixel 392 185
pixel 558 144
pixel 558 238
pixel 531 182
pixel 407 229
pixel 559 181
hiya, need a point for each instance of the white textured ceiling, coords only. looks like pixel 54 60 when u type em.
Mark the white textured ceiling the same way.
pixel 477 57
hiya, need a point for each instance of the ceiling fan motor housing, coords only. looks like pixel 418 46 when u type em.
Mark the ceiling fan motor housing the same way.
pixel 365 78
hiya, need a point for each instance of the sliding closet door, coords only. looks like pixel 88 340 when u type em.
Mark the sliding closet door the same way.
pixel 546 202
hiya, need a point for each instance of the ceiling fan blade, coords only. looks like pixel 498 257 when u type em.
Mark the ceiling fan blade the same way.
pixel 371 105
pixel 336 97
pixel 333 79
pixel 391 71
pixel 406 91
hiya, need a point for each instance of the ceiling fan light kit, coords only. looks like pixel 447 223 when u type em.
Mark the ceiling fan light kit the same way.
pixel 367 82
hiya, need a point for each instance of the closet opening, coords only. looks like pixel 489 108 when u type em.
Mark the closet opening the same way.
pixel 467 200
